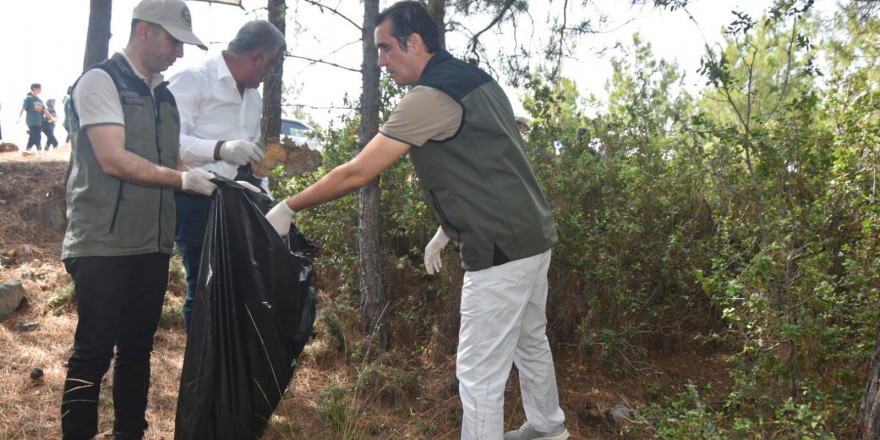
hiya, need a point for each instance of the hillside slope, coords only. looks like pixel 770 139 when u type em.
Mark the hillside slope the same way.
pixel 407 392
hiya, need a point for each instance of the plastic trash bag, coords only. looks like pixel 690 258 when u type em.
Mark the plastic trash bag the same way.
pixel 253 314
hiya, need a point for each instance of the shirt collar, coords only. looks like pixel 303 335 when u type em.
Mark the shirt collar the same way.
pixel 157 77
pixel 438 56
pixel 221 66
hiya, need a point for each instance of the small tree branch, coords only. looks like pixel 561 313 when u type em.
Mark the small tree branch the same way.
pixel 475 40
pixel 314 61
pixel 786 80
pixel 319 107
pixel 333 10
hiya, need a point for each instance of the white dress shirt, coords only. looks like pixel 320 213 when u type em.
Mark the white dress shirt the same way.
pixel 211 110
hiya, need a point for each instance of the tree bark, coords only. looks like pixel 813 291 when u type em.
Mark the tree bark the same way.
pixel 373 303
pixel 98 37
pixel 437 9
pixel 270 124
pixel 869 415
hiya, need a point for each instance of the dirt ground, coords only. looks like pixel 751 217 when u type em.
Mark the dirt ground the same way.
pixel 36 341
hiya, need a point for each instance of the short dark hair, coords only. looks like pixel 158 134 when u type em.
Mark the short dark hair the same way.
pixel 36 86
pixel 411 17
pixel 134 24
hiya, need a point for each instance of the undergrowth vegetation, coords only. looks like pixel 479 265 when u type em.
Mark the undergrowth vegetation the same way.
pixel 745 218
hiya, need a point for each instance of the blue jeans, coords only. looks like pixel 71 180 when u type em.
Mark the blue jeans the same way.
pixel 118 304
pixel 192 212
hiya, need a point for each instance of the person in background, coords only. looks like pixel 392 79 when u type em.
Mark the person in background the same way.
pixel 65 103
pixel 478 181
pixel 35 111
pixel 48 127
pixel 220 110
pixel 120 209
pixel 522 123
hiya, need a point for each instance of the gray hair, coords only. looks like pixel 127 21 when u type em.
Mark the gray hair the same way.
pixel 258 35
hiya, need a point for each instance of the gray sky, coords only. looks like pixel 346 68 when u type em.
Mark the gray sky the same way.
pixel 44 41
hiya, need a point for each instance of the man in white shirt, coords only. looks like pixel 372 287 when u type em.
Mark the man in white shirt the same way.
pixel 220 111
pixel 120 209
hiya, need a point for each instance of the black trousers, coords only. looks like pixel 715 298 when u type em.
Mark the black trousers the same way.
pixel 119 302
pixel 50 136
pixel 33 137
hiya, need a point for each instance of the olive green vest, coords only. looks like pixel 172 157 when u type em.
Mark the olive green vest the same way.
pixel 111 217
pixel 479 182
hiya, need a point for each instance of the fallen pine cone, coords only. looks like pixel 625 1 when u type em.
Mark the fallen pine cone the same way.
pixel 36 373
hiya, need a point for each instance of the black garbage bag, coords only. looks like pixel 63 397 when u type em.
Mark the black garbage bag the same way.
pixel 253 314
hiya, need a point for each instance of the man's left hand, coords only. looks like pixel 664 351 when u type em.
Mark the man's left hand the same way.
pixel 240 152
pixel 433 262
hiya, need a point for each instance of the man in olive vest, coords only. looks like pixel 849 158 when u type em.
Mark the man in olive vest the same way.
pixel 460 130
pixel 125 131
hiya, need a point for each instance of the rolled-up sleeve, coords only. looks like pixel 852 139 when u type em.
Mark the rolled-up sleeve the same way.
pixel 187 90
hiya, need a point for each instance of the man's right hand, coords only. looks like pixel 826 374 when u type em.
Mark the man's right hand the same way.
pixel 240 152
pixel 198 181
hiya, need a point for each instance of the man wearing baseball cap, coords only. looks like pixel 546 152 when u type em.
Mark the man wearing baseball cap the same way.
pixel 172 15
pixel 125 131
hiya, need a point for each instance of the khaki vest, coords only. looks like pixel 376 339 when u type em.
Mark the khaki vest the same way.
pixel 479 182
pixel 111 217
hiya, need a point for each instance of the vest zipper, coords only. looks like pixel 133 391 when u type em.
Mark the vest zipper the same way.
pixel 116 208
pixel 161 190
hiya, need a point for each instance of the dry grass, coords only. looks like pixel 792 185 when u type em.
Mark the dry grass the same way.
pixel 339 394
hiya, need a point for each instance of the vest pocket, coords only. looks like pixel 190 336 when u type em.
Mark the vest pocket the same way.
pixel 116 207
pixel 128 99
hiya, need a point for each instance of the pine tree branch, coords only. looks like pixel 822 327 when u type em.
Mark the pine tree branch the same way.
pixel 314 61
pixel 333 10
pixel 475 39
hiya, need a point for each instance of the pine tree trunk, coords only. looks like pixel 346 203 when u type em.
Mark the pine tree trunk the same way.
pixel 270 124
pixel 869 415
pixel 373 305
pixel 98 37
pixel 437 9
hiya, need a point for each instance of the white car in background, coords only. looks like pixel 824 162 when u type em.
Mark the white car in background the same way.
pixel 300 133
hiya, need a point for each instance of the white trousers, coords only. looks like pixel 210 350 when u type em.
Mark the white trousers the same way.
pixel 503 321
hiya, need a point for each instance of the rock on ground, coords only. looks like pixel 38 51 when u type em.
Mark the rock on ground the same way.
pixel 11 296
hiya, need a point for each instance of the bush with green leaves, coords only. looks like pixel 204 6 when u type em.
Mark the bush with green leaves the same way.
pixel 746 218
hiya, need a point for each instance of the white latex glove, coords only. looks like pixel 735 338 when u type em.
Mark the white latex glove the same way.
pixel 249 186
pixel 198 181
pixel 280 217
pixel 433 262
pixel 240 152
